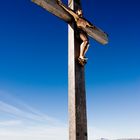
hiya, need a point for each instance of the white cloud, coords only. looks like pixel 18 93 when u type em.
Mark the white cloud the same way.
pixel 35 133
pixel 10 109
pixel 10 123
pixel 28 123
pixel 17 107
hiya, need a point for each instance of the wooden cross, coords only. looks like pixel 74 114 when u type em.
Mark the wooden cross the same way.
pixel 76 74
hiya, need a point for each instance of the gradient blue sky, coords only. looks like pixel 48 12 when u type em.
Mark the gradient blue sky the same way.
pixel 33 86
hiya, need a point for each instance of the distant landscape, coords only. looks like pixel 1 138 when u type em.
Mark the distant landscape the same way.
pixel 121 139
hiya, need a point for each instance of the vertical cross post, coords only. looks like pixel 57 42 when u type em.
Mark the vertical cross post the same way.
pixel 76 84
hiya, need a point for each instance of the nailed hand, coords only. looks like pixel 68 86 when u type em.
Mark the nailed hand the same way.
pixel 59 2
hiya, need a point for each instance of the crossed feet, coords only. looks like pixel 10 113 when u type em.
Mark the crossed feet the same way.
pixel 82 60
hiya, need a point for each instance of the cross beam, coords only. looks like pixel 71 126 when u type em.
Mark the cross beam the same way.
pixel 52 6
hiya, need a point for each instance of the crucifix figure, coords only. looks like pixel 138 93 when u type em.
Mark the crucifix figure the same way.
pixel 80 22
pixel 78 31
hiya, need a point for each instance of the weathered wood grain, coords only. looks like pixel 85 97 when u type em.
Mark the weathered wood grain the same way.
pixel 97 34
pixel 77 92
pixel 54 8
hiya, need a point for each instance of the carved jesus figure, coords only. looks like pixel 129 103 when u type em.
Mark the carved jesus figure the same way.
pixel 80 22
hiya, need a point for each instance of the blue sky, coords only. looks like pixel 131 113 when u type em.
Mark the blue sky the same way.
pixel 33 86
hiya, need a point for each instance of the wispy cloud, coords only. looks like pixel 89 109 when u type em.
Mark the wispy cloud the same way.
pixel 28 122
pixel 10 123
pixel 41 132
pixel 43 128
pixel 12 110
pixel 22 110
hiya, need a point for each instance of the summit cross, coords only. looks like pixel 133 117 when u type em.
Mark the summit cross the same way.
pixel 76 70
